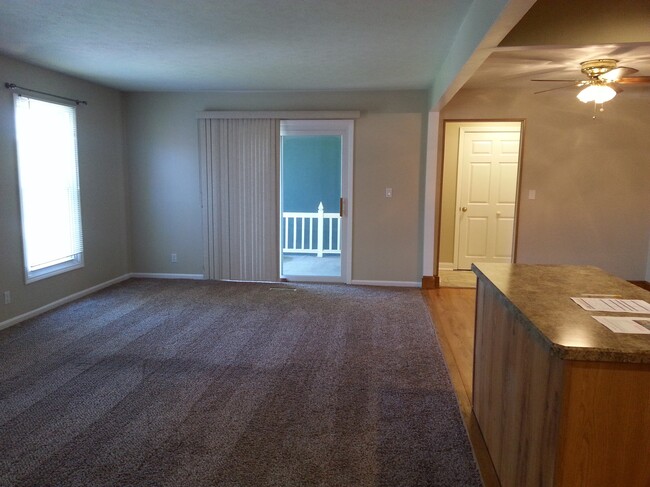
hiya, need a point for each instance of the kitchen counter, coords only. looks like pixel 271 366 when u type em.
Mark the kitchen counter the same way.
pixel 559 398
pixel 541 296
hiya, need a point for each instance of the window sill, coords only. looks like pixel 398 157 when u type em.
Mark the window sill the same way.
pixel 54 270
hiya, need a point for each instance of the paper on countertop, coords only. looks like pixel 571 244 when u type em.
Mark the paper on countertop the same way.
pixel 626 324
pixel 613 305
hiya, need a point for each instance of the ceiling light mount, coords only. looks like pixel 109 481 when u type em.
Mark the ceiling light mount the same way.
pixel 597 88
pixel 597 67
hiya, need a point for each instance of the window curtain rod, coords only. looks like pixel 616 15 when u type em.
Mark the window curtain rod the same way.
pixel 14 87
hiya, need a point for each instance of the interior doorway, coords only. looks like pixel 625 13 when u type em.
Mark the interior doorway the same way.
pixel 480 187
pixel 315 200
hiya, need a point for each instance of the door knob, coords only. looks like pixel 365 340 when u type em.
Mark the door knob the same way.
pixel 463 209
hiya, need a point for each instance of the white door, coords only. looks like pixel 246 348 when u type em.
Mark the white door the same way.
pixel 488 165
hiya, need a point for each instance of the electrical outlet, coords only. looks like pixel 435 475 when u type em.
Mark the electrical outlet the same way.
pixel 174 258
pixel 389 192
pixel 7 295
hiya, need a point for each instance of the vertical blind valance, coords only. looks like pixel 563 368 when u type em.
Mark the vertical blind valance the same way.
pixel 239 179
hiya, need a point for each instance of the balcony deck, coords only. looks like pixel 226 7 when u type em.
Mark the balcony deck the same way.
pixel 310 265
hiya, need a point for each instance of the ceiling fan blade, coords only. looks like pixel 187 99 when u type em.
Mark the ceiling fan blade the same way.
pixel 556 88
pixel 562 80
pixel 617 73
pixel 634 80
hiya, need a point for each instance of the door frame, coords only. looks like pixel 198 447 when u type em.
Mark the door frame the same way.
pixel 473 123
pixel 344 129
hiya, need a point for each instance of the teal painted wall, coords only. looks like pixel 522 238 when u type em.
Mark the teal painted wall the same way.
pixel 311 172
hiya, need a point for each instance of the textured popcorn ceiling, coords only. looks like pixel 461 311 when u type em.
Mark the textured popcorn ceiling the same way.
pixel 236 44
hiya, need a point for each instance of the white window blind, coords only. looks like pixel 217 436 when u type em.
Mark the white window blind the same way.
pixel 46 142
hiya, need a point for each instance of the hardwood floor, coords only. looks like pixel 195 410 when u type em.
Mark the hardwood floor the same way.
pixel 452 311
pixel 463 279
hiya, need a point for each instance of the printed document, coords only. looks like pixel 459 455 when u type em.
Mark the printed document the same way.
pixel 626 324
pixel 613 305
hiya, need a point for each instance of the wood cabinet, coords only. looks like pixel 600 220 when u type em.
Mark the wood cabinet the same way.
pixel 560 399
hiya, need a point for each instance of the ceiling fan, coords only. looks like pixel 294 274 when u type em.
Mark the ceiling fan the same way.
pixel 603 78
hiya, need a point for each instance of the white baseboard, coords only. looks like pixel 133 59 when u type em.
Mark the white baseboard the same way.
pixel 358 282
pixel 156 275
pixel 35 312
pixel 446 266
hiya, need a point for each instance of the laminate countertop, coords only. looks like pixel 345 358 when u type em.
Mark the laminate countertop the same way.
pixel 541 296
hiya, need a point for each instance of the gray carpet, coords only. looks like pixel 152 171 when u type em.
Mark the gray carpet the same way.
pixel 170 383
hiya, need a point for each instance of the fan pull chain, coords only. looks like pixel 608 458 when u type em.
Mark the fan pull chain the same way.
pixel 601 109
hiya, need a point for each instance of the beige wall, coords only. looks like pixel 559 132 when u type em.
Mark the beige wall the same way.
pixel 450 182
pixel 164 176
pixel 387 234
pixel 647 271
pixel 591 176
pixel 102 183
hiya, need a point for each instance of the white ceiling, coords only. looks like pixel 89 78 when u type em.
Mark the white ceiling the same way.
pixel 311 44
pixel 236 44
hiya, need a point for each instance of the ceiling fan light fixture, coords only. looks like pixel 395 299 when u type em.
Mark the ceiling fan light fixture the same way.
pixel 596 93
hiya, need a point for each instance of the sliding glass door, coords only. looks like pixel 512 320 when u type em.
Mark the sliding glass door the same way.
pixel 315 200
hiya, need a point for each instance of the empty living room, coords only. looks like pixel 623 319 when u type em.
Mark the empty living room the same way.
pixel 324 243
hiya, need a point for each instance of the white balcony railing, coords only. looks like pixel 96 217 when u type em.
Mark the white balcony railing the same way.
pixel 311 233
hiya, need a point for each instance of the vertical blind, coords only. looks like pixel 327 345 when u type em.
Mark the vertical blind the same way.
pixel 49 183
pixel 239 178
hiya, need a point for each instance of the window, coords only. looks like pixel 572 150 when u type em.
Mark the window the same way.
pixel 46 142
